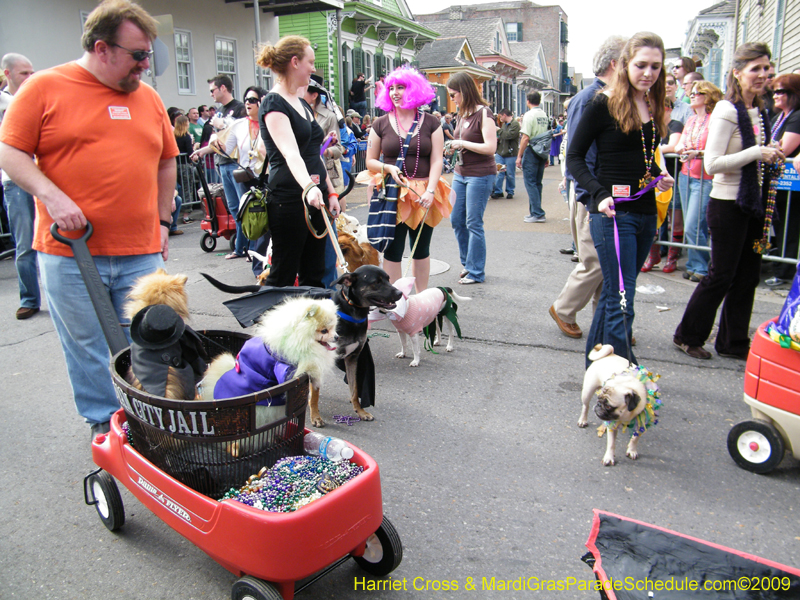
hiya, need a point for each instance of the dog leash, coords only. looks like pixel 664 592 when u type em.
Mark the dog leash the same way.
pixel 416 240
pixel 623 302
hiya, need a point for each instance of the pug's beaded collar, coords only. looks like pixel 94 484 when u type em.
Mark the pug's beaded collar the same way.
pixel 648 417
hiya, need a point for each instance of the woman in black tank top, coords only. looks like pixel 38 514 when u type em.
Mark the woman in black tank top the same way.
pixel 297 175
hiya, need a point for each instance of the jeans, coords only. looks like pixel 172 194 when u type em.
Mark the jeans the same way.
pixel 78 328
pixel 331 274
pixel 21 212
pixel 359 107
pixel 472 195
pixel 733 275
pixel 509 175
pixel 695 227
pixel 635 238
pixel 532 173
pixel 232 198
pixel 176 213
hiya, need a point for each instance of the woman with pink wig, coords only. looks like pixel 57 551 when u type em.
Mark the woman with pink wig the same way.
pixel 424 197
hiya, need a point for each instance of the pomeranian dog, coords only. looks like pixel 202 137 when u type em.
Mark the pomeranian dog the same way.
pixel 297 336
pixel 161 288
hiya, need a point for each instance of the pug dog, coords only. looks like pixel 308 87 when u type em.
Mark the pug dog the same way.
pixel 621 399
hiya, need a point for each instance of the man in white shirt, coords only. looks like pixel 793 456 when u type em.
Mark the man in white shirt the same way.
pixel 19 204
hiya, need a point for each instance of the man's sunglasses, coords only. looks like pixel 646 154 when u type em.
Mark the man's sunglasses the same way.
pixel 251 100
pixel 138 55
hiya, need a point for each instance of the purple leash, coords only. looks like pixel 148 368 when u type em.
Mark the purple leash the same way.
pixel 623 303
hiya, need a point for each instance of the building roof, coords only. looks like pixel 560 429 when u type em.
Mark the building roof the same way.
pixel 490 6
pixel 725 8
pixel 480 32
pixel 529 53
pixel 444 53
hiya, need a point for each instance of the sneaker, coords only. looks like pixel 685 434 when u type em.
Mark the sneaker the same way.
pixel 775 282
pixel 468 281
pixel 532 219
pixel 509 196
pixel 495 196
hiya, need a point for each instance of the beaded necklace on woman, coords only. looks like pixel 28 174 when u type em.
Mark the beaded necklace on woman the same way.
pixel 697 132
pixel 648 160
pixel 400 132
pixel 778 124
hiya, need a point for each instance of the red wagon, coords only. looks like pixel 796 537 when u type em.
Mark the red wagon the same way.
pixel 772 390
pixel 179 458
pixel 217 219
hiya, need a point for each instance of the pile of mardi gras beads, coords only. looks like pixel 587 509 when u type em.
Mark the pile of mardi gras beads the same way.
pixel 293 482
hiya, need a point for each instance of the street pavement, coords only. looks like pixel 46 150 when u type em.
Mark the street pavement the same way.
pixel 484 471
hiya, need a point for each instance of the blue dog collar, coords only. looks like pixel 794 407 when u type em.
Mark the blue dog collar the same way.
pixel 346 317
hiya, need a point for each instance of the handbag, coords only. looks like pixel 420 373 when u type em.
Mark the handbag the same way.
pixel 541 144
pixel 253 214
pixel 382 217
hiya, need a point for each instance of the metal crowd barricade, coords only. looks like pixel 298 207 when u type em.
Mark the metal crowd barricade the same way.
pixel 360 160
pixel 784 238
pixel 189 184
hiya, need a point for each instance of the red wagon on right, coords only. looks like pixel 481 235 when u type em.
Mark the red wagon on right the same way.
pixel 772 390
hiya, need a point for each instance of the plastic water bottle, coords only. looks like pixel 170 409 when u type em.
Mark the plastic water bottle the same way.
pixel 332 448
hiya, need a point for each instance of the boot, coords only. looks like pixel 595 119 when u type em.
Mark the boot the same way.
pixel 672 260
pixel 653 259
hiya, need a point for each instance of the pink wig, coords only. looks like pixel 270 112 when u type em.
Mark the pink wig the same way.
pixel 418 90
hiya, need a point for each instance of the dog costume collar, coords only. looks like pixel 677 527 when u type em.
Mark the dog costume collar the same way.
pixel 347 317
pixel 648 417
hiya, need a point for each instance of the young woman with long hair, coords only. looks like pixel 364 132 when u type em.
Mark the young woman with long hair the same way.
pixel 476 140
pixel 626 121
pixel 426 201
pixel 297 175
pixel 737 153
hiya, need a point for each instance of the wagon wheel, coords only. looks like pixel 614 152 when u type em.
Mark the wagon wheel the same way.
pixel 208 242
pixel 384 551
pixel 756 446
pixel 108 501
pixel 250 588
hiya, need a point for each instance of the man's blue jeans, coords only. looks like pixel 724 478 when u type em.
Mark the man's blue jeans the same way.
pixel 21 211
pixel 78 328
pixel 359 107
pixel 472 195
pixel 232 199
pixel 695 227
pixel 635 239
pixel 509 175
pixel 532 173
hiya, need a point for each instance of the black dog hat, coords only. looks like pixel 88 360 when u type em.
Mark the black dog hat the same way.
pixel 157 327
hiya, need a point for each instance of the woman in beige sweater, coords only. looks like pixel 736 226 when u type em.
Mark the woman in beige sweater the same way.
pixel 736 154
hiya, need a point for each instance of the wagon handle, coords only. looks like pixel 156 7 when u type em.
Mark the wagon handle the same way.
pixel 101 302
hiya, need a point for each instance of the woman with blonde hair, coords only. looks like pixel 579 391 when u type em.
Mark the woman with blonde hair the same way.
pixel 626 121
pixel 298 181
pixel 696 182
pixel 425 198
pixel 737 154
pixel 476 141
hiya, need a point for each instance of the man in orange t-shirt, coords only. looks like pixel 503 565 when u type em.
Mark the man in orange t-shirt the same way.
pixel 105 154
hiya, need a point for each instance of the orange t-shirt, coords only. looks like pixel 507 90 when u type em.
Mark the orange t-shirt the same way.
pixel 102 149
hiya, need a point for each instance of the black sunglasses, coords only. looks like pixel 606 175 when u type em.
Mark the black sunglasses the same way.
pixel 781 91
pixel 252 100
pixel 693 94
pixel 138 55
